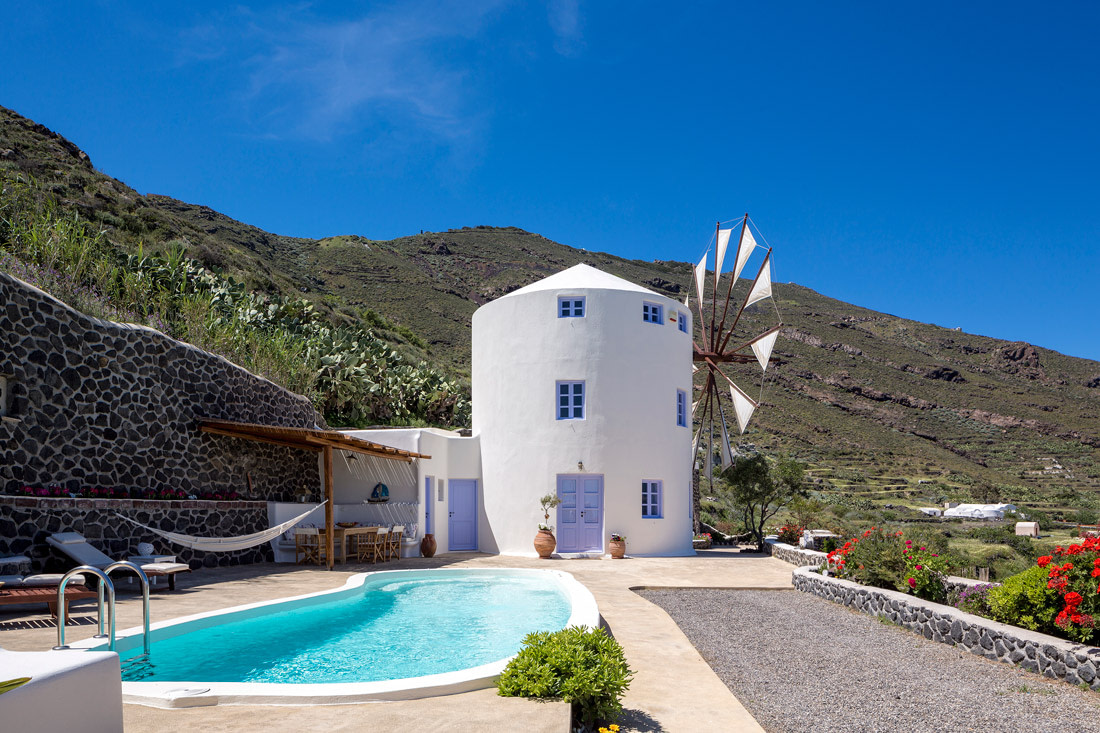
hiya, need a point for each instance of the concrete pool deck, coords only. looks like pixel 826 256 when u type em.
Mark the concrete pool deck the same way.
pixel 673 689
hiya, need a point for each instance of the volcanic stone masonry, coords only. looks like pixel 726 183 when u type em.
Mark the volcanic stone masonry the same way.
pixel 91 403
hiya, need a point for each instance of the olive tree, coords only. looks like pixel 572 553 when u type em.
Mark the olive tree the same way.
pixel 760 488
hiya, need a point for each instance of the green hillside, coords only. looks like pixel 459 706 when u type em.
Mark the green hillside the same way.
pixel 885 409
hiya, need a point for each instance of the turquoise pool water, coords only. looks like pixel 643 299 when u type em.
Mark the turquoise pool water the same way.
pixel 388 629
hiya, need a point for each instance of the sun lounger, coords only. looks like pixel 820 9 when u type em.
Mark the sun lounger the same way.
pixel 41 589
pixel 76 547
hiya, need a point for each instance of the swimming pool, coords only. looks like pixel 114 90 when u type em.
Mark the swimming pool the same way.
pixel 384 635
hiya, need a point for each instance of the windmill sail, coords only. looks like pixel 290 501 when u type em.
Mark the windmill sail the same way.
pixel 762 347
pixel 723 242
pixel 743 407
pixel 727 454
pixel 762 288
pixel 700 271
pixel 744 250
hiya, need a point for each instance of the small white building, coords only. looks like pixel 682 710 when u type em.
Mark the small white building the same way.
pixel 581 386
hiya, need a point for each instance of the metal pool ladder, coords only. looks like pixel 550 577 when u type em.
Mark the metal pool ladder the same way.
pixel 105 582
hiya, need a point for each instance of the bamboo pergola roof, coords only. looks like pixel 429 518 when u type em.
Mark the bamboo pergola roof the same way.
pixel 310 439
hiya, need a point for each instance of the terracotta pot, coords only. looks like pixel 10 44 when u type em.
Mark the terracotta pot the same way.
pixel 427 545
pixel 617 549
pixel 545 543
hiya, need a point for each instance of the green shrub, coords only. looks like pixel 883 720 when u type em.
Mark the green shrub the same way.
pixel 877 559
pixel 1025 600
pixel 586 668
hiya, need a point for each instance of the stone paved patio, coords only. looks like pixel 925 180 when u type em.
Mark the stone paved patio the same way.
pixel 673 690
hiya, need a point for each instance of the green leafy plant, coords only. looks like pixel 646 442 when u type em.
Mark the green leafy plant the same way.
pixel 548 502
pixel 584 667
pixel 1025 600
pixel 760 489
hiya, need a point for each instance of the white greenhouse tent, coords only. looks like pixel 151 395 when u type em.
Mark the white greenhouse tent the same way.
pixel 979 511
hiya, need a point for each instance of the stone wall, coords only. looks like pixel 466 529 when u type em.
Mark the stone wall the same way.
pixel 794 555
pixel 95 403
pixel 25 522
pixel 1039 653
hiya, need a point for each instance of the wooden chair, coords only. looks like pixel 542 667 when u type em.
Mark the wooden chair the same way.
pixel 393 544
pixel 309 546
pixel 364 539
pixel 381 545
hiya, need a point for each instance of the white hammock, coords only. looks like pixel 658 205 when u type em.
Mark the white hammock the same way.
pixel 226 544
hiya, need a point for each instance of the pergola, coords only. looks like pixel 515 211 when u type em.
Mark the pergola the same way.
pixel 316 441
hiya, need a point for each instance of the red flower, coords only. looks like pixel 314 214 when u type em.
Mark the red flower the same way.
pixel 912 583
pixel 1073 598
pixel 1045 560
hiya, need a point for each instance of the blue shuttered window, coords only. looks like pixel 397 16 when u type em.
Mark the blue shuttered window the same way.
pixel 651 313
pixel 681 408
pixel 570 400
pixel 571 306
pixel 651 499
pixel 683 320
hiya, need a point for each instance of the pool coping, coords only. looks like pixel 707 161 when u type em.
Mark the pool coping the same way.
pixel 185 694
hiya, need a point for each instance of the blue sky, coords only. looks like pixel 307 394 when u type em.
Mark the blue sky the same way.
pixel 937 161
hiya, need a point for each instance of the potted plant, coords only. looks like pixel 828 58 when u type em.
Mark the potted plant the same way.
pixel 544 540
pixel 617 546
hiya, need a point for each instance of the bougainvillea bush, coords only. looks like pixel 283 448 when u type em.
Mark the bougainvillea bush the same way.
pixel 890 560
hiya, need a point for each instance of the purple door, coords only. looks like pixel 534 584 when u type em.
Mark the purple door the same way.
pixel 462 523
pixel 580 514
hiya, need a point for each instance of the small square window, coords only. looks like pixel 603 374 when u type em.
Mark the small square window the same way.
pixel 681 408
pixel 651 499
pixel 683 321
pixel 651 313
pixel 570 400
pixel 571 306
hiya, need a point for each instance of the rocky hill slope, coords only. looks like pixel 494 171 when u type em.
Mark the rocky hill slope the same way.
pixel 883 407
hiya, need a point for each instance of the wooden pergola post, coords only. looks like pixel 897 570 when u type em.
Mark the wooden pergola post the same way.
pixel 329 527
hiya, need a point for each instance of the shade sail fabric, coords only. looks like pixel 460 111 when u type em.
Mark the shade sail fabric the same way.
pixel 743 406
pixel 762 347
pixel 744 251
pixel 762 288
pixel 225 544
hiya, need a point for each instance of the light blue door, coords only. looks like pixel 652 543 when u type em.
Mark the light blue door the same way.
pixel 580 514
pixel 462 524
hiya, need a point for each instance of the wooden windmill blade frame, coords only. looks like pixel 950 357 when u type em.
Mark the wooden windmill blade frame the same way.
pixel 711 349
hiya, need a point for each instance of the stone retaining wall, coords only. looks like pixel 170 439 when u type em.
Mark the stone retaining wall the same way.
pixel 87 403
pixel 1039 653
pixel 93 403
pixel 25 522
pixel 793 555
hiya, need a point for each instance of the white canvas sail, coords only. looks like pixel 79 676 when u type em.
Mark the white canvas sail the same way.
pixel 700 271
pixel 727 454
pixel 743 406
pixel 762 347
pixel 762 288
pixel 744 251
pixel 708 462
pixel 723 242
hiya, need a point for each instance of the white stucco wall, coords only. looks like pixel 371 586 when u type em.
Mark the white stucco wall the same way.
pixel 452 457
pixel 631 370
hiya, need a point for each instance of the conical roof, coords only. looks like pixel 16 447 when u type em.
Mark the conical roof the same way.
pixel 581 277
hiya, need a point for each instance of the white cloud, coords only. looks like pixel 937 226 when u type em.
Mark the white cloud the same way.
pixel 317 79
pixel 565 21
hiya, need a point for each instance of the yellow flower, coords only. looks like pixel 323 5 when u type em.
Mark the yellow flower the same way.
pixel 614 728
pixel 604 730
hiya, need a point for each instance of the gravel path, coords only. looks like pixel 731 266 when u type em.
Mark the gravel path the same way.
pixel 801 663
